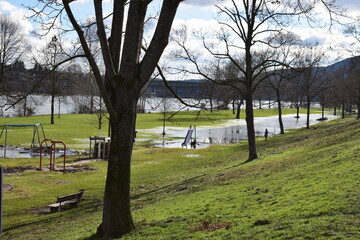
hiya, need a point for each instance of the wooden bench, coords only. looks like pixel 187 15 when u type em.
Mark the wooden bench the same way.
pixel 72 200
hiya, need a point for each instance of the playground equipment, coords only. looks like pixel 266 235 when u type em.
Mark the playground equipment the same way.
pixel 101 147
pixel 52 153
pixel 188 138
pixel 35 132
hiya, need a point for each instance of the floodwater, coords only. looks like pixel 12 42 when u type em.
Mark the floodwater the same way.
pixel 231 132
pixel 236 130
pixel 20 152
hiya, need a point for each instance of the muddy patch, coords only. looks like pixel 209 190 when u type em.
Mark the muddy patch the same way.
pixel 73 168
pixel 80 168
pixel 18 169
pixel 64 182
pixel 39 210
pixel 8 187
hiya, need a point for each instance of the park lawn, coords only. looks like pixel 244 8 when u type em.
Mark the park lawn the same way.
pixel 75 129
pixel 305 185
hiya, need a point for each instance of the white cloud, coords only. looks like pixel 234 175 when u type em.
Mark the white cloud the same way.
pixel 18 15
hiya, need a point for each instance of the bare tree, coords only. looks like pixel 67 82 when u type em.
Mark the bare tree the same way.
pixel 280 76
pixel 51 55
pixel 313 78
pixel 12 45
pixel 246 25
pixel 126 73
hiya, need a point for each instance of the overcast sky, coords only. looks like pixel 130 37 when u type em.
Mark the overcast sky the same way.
pixel 199 14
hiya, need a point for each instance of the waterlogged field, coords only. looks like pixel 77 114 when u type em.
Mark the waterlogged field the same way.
pixel 75 129
pixel 305 185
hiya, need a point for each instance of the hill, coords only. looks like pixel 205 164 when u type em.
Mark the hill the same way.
pixel 305 185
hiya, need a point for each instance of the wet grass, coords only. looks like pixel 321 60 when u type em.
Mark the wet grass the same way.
pixel 305 185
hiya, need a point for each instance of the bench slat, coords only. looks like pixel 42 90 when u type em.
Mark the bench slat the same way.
pixel 72 199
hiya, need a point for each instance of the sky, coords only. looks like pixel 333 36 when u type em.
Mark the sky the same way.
pixel 198 14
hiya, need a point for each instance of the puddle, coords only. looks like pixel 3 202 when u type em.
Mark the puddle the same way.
pixel 19 152
pixel 192 155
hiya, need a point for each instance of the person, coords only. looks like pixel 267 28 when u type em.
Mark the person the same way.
pixel 266 134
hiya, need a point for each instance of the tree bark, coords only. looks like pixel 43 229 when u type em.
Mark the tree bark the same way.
pixel 117 219
pixel 250 128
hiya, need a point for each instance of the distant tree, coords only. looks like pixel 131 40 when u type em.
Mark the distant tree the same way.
pixel 55 81
pixel 347 85
pixel 313 79
pixel 12 46
pixel 280 75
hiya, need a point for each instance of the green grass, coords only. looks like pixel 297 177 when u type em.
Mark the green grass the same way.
pixel 305 185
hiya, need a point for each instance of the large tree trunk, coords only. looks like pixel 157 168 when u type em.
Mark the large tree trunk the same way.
pixel 281 125
pixel 250 128
pixel 117 219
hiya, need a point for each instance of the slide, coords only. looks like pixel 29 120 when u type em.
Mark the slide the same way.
pixel 187 138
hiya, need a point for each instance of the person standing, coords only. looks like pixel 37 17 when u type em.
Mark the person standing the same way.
pixel 266 134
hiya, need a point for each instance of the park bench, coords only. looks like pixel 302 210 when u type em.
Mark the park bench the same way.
pixel 72 200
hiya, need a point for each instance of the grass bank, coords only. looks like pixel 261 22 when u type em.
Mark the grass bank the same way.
pixel 305 185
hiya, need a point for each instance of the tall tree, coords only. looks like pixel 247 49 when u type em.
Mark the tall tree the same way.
pixel 313 78
pixel 246 24
pixel 126 73
pixel 51 57
pixel 12 45
pixel 280 76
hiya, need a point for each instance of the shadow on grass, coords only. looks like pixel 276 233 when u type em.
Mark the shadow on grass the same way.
pixel 93 237
pixel 178 186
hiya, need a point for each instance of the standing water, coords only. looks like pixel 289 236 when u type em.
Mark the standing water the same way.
pixel 236 130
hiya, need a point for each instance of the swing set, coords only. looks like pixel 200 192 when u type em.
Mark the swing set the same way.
pixel 36 141
pixel 35 137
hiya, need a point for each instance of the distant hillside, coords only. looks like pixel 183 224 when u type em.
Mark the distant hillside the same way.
pixel 345 65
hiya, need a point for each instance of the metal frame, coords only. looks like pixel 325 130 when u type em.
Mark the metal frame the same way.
pixel 35 132
pixel 52 153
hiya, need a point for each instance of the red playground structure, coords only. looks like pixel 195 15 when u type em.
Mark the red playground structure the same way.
pixel 52 151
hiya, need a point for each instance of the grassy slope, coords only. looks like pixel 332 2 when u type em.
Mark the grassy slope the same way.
pixel 305 185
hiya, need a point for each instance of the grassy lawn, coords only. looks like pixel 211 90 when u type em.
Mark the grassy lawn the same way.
pixel 305 185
